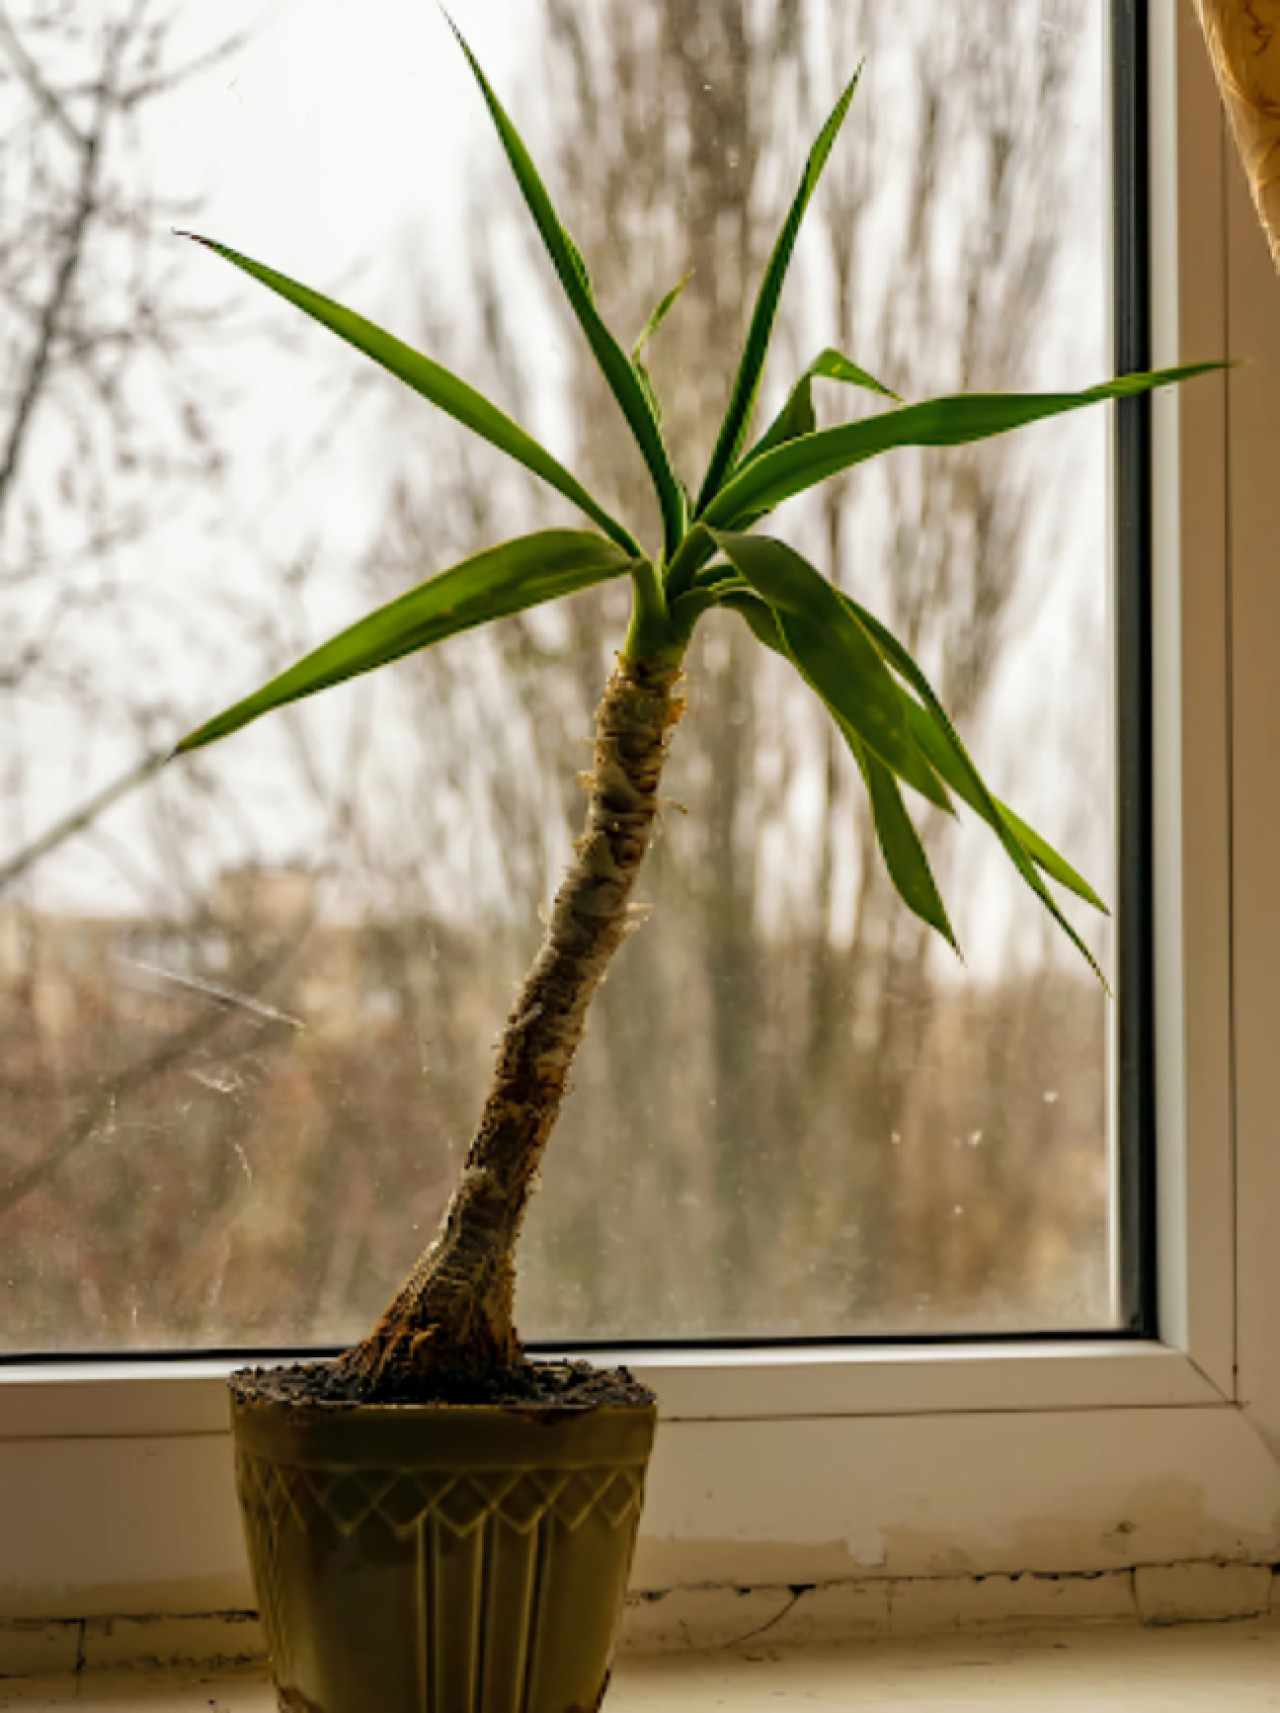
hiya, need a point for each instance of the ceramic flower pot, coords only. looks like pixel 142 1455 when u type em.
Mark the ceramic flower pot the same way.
pixel 440 1558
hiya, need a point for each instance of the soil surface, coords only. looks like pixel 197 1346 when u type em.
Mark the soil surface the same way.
pixel 531 1385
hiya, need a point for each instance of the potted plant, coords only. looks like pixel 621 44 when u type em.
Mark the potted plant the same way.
pixel 434 1521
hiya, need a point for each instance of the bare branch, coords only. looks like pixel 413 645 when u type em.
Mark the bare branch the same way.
pixel 29 72
pixel 55 305
pixel 82 817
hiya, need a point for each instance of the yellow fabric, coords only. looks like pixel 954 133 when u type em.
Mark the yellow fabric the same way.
pixel 1243 37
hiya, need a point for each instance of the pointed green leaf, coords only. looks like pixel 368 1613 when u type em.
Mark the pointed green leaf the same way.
pixel 433 382
pixel 834 652
pixel 502 580
pixel 960 773
pixel 904 854
pixel 899 842
pixel 937 746
pixel 937 738
pixel 715 586
pixel 833 365
pixel 647 387
pixel 637 361
pixel 658 316
pixel 797 415
pixel 615 365
pixel 1041 852
pixel 799 464
pixel 976 791
pixel 746 383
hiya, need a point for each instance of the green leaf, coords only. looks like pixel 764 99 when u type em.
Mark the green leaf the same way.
pixel 433 382
pixel 1044 856
pixel 833 365
pixel 834 653
pixel 687 609
pixel 693 553
pixel 651 326
pixel 797 416
pixel 647 387
pixel 899 842
pixel 711 588
pixel 759 616
pixel 904 854
pixel 746 383
pixel 615 365
pixel 799 464
pixel 975 789
pixel 658 316
pixel 501 580
pixel 937 738
pixel 959 773
pixel 937 746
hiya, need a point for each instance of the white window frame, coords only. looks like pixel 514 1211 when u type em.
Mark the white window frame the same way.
pixel 818 1465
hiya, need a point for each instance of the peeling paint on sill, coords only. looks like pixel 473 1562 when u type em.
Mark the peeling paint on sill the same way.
pixel 874 1608
pixel 710 1618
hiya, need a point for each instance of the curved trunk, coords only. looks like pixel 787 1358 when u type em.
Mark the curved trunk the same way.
pixel 453 1316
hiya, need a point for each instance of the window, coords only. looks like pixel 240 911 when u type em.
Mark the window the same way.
pixel 253 1013
pixel 816 1464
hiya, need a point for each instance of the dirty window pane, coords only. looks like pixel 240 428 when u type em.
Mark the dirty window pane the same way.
pixel 249 1007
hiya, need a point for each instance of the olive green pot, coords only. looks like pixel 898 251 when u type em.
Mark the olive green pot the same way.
pixel 440 1558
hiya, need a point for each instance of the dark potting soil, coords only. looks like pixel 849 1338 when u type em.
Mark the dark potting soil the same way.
pixel 531 1385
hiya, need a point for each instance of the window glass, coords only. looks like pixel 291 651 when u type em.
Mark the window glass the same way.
pixel 249 1006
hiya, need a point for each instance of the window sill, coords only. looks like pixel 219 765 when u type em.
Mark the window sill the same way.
pixel 105 1400
pixel 1202 1665
pixel 1054 1459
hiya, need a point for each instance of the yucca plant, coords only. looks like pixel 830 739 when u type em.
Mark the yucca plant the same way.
pixel 450 1329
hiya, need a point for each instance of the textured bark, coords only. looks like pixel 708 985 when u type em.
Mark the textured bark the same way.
pixel 1243 37
pixel 452 1319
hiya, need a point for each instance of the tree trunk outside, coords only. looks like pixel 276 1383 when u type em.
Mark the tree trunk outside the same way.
pixel 1243 37
pixel 452 1319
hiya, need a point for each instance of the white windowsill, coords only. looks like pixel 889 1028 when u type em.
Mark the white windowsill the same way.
pixel 1198 1666
pixel 126 1399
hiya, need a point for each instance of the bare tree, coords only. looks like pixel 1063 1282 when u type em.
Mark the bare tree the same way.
pixel 101 419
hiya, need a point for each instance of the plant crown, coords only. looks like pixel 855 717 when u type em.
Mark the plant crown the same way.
pixel 712 555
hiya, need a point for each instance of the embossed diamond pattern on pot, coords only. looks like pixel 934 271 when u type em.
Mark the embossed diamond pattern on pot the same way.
pixel 352 1499
pixel 466 1504
pixel 523 1505
pixel 521 1498
pixel 621 1496
pixel 271 1485
pixel 410 1498
pixel 579 1495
